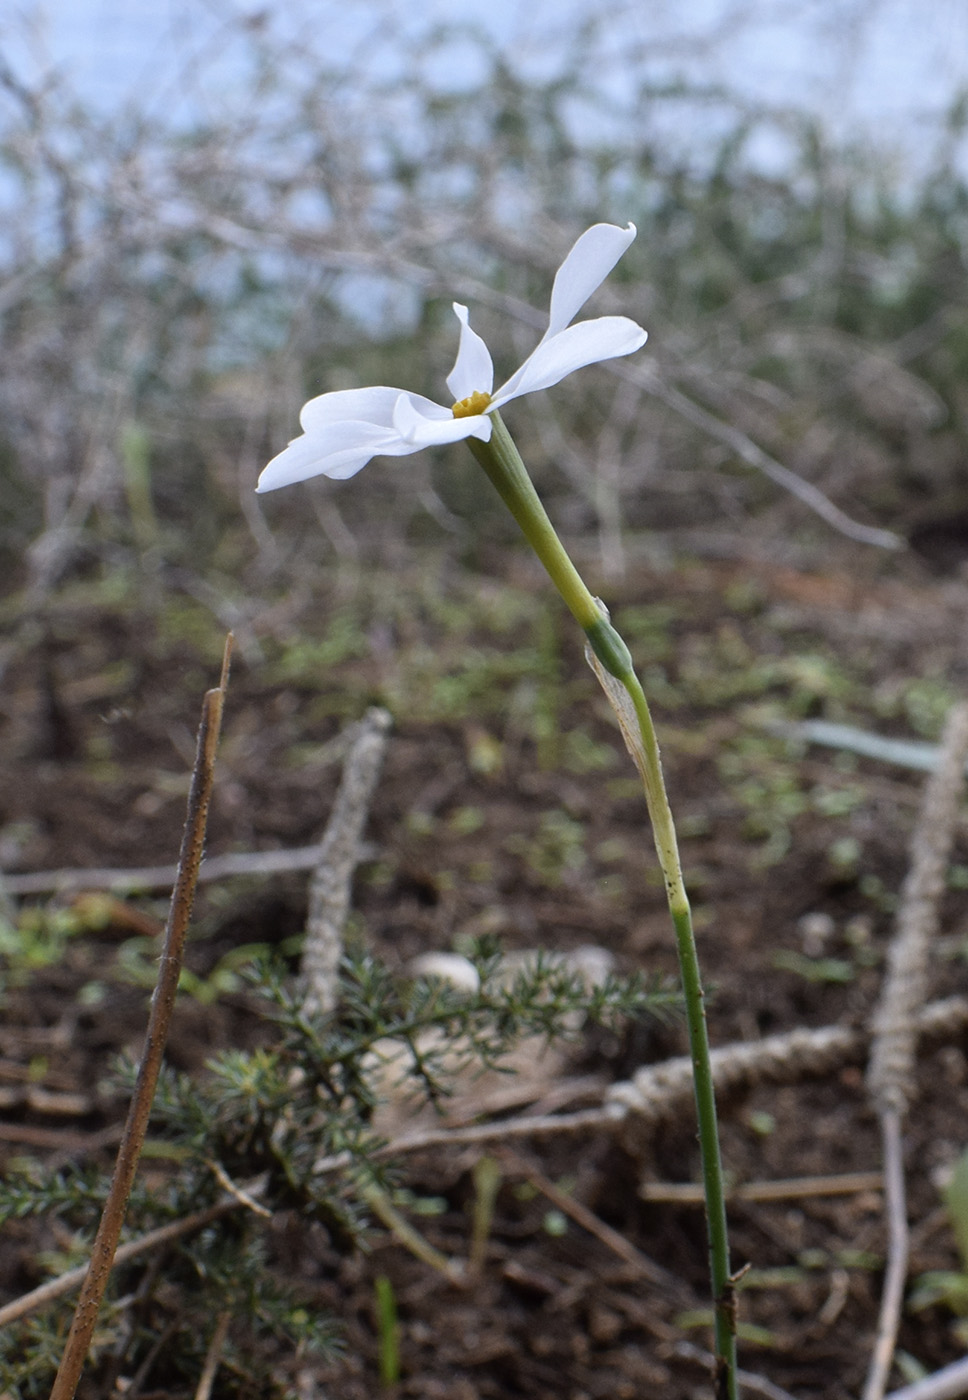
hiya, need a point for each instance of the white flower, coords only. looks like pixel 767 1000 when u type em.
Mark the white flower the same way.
pixel 343 430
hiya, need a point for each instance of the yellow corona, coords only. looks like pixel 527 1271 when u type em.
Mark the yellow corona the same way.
pixel 473 405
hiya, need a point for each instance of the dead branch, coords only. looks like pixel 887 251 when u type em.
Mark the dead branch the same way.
pixel 753 455
pixel 787 1059
pixel 890 1074
pixel 898 1248
pixel 797 1188
pixel 213 1356
pixel 946 1384
pixel 606 1116
pixel 56 1288
pixel 615 1241
pixel 657 1092
pixel 154 877
pixel 749 1380
pixel 162 1005
pixel 339 855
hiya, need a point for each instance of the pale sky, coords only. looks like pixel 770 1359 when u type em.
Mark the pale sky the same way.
pixel 885 67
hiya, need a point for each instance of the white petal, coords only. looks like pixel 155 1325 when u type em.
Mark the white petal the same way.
pixel 350 406
pixel 416 429
pixel 338 451
pixel 426 408
pixel 584 270
pixel 473 371
pixel 571 349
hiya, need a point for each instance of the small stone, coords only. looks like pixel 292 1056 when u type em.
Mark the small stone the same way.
pixel 815 930
pixel 449 967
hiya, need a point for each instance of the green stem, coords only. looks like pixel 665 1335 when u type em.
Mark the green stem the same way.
pixel 501 461
pixel 503 465
pixel 664 831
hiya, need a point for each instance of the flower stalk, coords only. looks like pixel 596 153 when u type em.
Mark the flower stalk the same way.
pixel 344 429
pixel 612 662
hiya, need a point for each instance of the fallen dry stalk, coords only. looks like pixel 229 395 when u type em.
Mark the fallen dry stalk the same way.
pixel 946 1384
pixel 750 1382
pixel 213 1356
pixel 785 1059
pixel 162 1005
pixel 160 877
pixel 339 854
pixel 64 1283
pixel 587 1220
pixel 156 877
pixel 658 1092
pixel 890 1075
pixel 796 1188
pixel 891 1071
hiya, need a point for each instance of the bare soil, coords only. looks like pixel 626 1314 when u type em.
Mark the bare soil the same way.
pixel 506 805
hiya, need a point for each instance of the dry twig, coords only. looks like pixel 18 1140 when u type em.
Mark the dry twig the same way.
pixel 754 456
pixel 797 1188
pixel 891 1070
pixel 66 1282
pixel 162 1005
pixel 890 1075
pixel 758 1385
pixel 587 1220
pixel 654 1095
pixel 946 1384
pixel 657 1092
pixel 212 1357
pixel 154 877
pixel 339 855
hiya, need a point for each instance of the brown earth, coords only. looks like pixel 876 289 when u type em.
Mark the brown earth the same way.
pixel 505 805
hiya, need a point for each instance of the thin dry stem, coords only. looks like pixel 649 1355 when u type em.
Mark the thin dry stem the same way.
pixel 751 453
pixel 213 1356
pixel 339 855
pixel 244 1198
pixel 662 1091
pixel 162 1005
pixel 947 1384
pixel 612 1239
pixel 64 1283
pixel 411 1239
pixel 898 1249
pixel 154 877
pixel 891 1072
pixel 797 1188
pixel 733 1066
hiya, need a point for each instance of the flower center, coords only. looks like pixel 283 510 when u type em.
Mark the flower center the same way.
pixel 473 405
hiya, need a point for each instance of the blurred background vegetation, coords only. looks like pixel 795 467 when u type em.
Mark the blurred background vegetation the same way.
pixel 285 208
pixel 177 276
